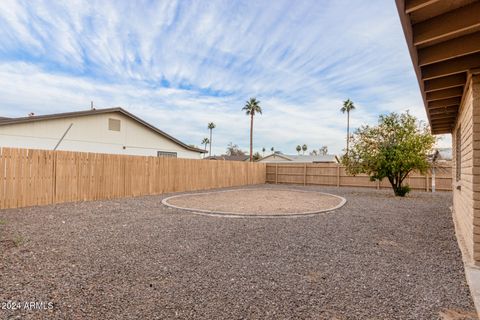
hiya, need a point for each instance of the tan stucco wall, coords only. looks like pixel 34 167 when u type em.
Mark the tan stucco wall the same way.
pixel 466 191
pixel 91 134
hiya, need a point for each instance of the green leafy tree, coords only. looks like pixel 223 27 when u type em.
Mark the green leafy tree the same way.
pixel 304 148
pixel 251 108
pixel 211 126
pixel 205 141
pixel 347 107
pixel 395 147
pixel 299 148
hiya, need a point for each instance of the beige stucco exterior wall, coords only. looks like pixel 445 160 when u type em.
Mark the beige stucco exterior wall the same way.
pixel 466 191
pixel 91 134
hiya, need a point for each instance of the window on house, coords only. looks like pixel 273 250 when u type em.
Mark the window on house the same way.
pixel 458 154
pixel 166 154
pixel 113 124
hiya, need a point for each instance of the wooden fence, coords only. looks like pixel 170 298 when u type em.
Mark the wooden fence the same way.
pixel 334 175
pixel 38 177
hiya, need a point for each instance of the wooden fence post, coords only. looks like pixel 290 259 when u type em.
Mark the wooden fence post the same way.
pixel 54 176
pixel 426 181
pixel 338 175
pixel 305 174
pixel 276 173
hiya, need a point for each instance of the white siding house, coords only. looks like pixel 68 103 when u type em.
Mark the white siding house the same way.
pixel 113 130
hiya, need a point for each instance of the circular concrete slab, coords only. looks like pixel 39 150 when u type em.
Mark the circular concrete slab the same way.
pixel 259 203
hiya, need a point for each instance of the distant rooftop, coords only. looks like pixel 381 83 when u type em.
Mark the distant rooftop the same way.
pixel 228 158
pixel 302 158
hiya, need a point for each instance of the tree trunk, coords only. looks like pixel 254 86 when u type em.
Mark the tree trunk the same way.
pixel 210 144
pixel 396 183
pixel 393 183
pixel 251 137
pixel 348 129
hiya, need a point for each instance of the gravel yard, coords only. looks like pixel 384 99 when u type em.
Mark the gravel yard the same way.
pixel 377 257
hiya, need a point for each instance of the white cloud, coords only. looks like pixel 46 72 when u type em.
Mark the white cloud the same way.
pixel 300 59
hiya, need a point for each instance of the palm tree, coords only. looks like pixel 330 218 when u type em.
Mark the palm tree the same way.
pixel 263 152
pixel 205 141
pixel 299 148
pixel 347 107
pixel 304 148
pixel 251 108
pixel 211 126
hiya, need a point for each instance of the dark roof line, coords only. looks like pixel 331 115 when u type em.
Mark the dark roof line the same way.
pixel 225 157
pixel 7 121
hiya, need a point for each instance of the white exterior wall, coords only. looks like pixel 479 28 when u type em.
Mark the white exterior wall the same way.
pixel 91 134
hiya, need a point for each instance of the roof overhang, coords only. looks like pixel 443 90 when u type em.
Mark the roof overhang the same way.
pixel 443 38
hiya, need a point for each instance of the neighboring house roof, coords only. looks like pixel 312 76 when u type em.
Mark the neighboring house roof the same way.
pixel 228 158
pixel 303 158
pixel 8 121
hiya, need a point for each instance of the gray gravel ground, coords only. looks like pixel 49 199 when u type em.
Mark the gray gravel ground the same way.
pixel 378 257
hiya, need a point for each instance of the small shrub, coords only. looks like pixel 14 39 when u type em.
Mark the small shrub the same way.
pixel 402 191
pixel 18 240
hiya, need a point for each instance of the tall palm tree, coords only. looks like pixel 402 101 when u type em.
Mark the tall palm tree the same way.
pixel 205 141
pixel 211 126
pixel 263 152
pixel 299 148
pixel 304 148
pixel 251 108
pixel 347 107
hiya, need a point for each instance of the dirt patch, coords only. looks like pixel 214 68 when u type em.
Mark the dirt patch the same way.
pixel 449 314
pixel 258 202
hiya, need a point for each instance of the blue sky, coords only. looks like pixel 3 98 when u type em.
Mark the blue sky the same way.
pixel 182 64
